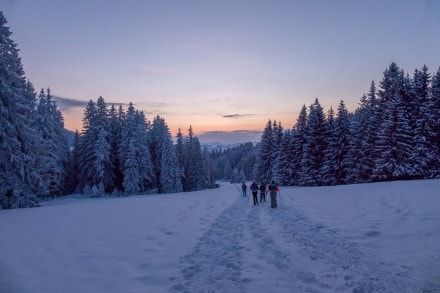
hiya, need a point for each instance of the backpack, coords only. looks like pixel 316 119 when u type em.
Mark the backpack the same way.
pixel 273 187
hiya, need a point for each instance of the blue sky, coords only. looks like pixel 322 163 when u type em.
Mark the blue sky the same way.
pixel 219 65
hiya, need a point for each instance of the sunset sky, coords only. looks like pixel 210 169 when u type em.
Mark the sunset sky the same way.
pixel 219 66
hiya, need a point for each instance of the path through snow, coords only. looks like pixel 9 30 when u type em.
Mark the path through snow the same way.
pixel 259 249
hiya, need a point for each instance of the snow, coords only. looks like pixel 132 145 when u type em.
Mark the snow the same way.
pixel 381 237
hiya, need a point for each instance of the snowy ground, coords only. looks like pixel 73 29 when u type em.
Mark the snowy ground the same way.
pixel 360 238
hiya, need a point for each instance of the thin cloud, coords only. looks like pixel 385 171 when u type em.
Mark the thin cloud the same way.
pixel 66 104
pixel 237 115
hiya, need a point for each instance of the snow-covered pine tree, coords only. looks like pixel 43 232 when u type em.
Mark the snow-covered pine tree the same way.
pixel 434 129
pixel 73 166
pixel 330 166
pixel 276 151
pixel 298 144
pixel 422 154
pixel 134 153
pixel 181 157
pixel 228 171
pixel 132 182
pixel 342 134
pixel 364 131
pixel 265 154
pixel 235 176
pixel 194 169
pixel 283 172
pixel 103 164
pixel 142 132
pixel 170 171
pixel 87 175
pixel 54 152
pixel 313 158
pixel 211 170
pixel 96 164
pixel 394 144
pixel 116 118
pixel 159 135
pixel 20 143
pixel 164 158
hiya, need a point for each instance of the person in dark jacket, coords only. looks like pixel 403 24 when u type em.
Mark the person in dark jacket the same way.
pixel 273 189
pixel 262 191
pixel 254 189
pixel 244 189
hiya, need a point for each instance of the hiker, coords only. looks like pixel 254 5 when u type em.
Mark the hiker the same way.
pixel 254 189
pixel 273 189
pixel 244 189
pixel 262 191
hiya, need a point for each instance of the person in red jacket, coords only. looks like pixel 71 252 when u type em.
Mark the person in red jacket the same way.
pixel 273 189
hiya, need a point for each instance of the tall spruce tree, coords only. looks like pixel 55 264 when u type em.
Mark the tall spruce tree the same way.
pixel 265 158
pixel 20 143
pixel 54 151
pixel 298 144
pixel 330 166
pixel 166 164
pixel 313 158
pixel 422 153
pixel 434 126
pixel 195 170
pixel 103 150
pixel 394 144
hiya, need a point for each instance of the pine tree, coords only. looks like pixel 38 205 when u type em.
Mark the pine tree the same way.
pixel 54 150
pixel 170 172
pixel 313 158
pixel 20 143
pixel 166 164
pixel 284 161
pixel 73 166
pixel 87 175
pixel 394 144
pixel 134 153
pixel 116 119
pixel 266 154
pixel 298 144
pixel 422 153
pixel 330 166
pixel 342 135
pixel 195 170
pixel 235 176
pixel 434 126
pixel 277 152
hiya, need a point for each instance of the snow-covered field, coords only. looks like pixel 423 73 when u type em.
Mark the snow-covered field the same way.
pixel 382 237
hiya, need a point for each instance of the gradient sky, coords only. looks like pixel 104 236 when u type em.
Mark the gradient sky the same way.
pixel 219 65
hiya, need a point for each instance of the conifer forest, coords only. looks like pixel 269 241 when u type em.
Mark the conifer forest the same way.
pixel 394 134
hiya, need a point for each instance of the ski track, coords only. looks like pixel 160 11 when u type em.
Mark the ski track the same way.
pixel 214 264
pixel 306 256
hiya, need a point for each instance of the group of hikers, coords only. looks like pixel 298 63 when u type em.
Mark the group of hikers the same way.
pixel 272 188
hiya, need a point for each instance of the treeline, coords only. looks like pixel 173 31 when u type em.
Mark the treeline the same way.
pixel 119 151
pixel 394 134
pixel 236 163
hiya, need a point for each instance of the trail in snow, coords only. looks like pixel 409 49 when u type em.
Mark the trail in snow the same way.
pixel 258 249
pixel 214 264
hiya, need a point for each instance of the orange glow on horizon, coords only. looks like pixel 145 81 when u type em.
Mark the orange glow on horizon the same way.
pixel 72 121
